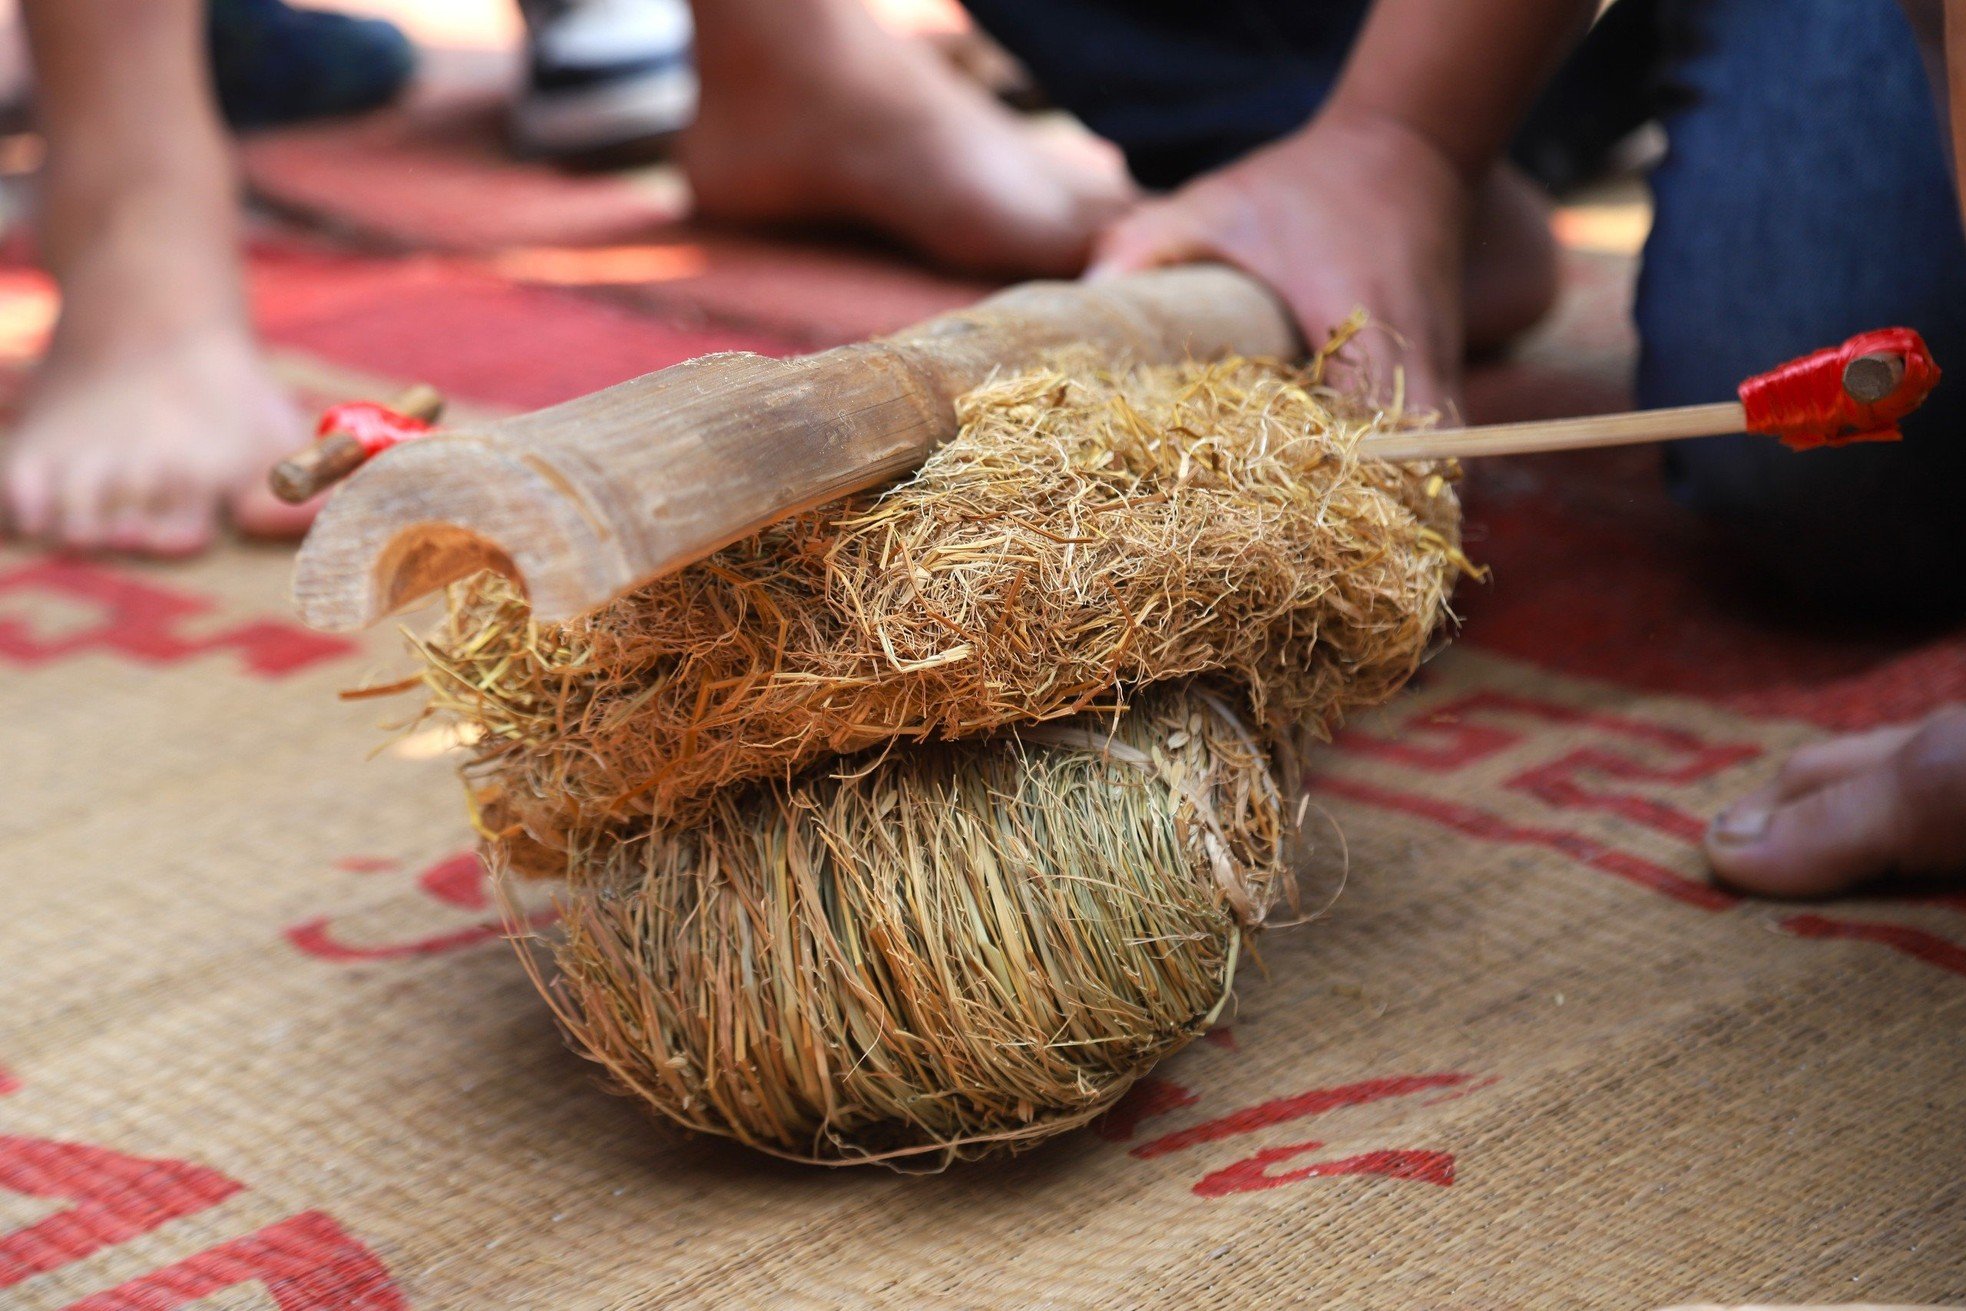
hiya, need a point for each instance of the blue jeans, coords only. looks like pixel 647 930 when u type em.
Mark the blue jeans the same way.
pixel 1804 196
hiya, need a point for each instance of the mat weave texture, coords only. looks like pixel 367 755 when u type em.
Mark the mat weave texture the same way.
pixel 261 1044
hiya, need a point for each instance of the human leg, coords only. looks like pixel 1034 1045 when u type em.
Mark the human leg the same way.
pixel 152 414
pixel 811 112
pixel 1186 90
pixel 1805 197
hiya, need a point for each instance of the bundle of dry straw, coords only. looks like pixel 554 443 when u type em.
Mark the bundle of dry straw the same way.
pixel 966 947
pixel 924 824
pixel 1083 536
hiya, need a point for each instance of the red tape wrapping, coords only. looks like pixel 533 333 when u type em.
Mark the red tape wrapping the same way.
pixel 1803 402
pixel 375 427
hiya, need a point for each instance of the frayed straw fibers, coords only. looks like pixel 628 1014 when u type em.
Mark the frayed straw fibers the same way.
pixel 1085 535
pixel 925 823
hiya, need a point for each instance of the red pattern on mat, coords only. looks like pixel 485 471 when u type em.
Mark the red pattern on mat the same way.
pixel 144 621
pixel 1597 574
pixel 1152 1098
pixel 1561 783
pixel 1919 944
pixel 1281 1110
pixel 1253 1175
pixel 117 1198
pixel 458 881
pixel 1451 737
pixel 1462 733
pixel 306 1262
pixel 1470 821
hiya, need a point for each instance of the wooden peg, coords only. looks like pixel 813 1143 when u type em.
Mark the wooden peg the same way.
pixel 307 473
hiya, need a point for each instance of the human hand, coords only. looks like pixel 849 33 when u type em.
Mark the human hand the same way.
pixel 1848 810
pixel 1354 211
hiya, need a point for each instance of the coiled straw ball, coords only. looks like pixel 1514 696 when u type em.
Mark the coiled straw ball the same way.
pixel 935 953
pixel 923 824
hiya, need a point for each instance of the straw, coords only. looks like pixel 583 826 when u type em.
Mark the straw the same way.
pixel 1085 536
pixel 948 951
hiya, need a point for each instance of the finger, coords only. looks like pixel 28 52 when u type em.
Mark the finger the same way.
pixel 1152 236
pixel 1905 812
pixel 1386 363
pixel 1369 366
pixel 1822 763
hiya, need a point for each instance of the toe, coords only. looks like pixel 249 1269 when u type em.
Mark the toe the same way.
pixel 181 531
pixel 1813 845
pixel 181 519
pixel 126 528
pixel 28 488
pixel 257 512
pixel 1905 811
pixel 82 512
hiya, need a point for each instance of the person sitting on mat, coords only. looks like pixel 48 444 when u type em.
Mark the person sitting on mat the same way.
pixel 1347 153
pixel 153 418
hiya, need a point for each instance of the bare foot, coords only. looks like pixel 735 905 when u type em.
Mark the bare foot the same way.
pixel 153 418
pixel 149 452
pixel 821 116
pixel 1849 810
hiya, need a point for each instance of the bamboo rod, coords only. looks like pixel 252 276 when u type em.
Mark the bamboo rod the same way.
pixel 1628 429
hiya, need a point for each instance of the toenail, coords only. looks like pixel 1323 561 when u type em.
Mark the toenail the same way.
pixel 1741 824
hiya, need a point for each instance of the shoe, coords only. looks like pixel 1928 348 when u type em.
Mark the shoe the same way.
pixel 273 64
pixel 604 75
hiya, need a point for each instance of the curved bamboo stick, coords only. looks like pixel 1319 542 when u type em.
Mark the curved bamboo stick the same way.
pixel 583 501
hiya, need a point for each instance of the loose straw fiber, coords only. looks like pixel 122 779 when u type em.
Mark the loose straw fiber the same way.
pixel 1084 536
pixel 956 949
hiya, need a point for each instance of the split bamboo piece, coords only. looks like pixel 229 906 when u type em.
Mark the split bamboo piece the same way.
pixel 586 500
